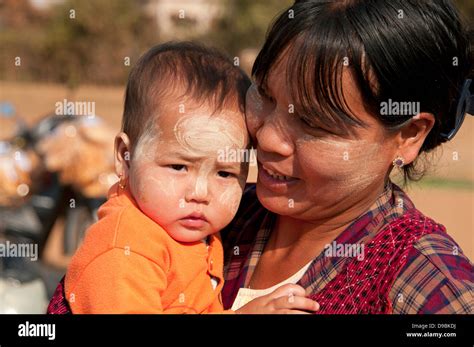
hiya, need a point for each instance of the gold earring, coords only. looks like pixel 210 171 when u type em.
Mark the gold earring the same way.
pixel 398 162
pixel 121 185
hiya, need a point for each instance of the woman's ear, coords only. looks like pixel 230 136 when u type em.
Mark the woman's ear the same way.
pixel 411 137
pixel 122 154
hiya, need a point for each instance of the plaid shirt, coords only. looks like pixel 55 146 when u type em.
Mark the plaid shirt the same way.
pixel 436 277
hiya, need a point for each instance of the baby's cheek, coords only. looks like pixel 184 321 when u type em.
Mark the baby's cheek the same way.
pixel 162 186
pixel 154 193
pixel 155 203
pixel 229 201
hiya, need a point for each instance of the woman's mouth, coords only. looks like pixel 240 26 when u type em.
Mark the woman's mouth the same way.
pixel 276 175
pixel 275 180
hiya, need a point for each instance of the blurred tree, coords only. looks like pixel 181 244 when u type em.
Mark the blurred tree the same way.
pixel 466 7
pixel 74 41
pixel 244 24
pixel 240 31
pixel 17 14
pixel 91 40
pixel 20 37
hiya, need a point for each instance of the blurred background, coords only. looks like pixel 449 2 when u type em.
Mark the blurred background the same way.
pixel 63 69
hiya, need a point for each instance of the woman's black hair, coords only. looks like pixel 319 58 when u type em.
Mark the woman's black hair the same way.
pixel 400 52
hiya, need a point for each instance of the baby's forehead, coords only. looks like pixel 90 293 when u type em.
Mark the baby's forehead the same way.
pixel 204 117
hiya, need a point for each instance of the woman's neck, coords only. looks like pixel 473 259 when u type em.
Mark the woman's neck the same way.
pixel 290 231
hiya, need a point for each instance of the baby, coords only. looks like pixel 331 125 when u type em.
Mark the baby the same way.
pixel 156 247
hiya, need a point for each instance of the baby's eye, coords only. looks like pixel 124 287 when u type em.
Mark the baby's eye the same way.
pixel 225 174
pixel 178 167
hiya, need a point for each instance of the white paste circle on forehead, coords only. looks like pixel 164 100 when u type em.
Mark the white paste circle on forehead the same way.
pixel 207 133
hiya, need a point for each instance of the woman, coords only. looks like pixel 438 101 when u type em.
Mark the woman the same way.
pixel 344 92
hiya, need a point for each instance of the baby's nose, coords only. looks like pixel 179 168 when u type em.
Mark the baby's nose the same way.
pixel 199 190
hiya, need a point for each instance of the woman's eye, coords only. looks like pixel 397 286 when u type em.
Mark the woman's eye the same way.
pixel 178 167
pixel 225 174
pixel 310 125
pixel 307 122
pixel 264 94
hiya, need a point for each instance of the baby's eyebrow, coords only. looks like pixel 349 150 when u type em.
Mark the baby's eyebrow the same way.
pixel 229 164
pixel 185 156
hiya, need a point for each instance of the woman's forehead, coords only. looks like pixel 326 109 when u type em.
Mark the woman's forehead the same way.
pixel 277 73
pixel 277 84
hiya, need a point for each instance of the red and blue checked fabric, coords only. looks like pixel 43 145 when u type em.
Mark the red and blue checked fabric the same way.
pixel 410 264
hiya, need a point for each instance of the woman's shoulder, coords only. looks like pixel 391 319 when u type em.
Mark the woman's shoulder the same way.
pixel 436 278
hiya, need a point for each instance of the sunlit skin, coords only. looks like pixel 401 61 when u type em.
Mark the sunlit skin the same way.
pixel 176 172
pixel 332 179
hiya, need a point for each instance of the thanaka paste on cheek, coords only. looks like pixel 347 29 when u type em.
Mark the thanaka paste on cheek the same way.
pixel 352 165
pixel 231 199
pixel 167 195
pixel 167 185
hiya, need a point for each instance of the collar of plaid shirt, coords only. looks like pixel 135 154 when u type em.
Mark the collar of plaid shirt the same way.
pixel 246 237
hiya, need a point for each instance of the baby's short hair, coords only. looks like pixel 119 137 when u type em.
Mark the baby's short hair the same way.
pixel 203 74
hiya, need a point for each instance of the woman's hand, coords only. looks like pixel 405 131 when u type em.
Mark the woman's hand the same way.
pixel 287 299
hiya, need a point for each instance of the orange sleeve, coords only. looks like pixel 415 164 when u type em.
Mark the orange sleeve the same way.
pixel 117 282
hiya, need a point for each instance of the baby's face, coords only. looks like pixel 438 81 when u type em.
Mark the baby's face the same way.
pixel 179 175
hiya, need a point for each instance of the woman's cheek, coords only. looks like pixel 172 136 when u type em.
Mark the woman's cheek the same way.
pixel 348 166
pixel 325 160
pixel 253 110
pixel 366 165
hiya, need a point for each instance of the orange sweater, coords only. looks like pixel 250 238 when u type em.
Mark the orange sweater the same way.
pixel 129 264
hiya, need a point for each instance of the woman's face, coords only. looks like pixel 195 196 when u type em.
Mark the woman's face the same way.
pixel 311 173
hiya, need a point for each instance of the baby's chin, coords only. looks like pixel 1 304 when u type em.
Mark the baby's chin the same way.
pixel 188 235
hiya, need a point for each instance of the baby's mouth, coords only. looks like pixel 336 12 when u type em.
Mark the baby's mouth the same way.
pixel 195 220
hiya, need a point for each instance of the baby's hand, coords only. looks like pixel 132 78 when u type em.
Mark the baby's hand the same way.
pixel 287 299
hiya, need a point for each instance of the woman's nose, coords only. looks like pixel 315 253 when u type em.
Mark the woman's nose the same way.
pixel 272 136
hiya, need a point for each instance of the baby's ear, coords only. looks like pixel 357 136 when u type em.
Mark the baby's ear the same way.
pixel 122 154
